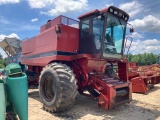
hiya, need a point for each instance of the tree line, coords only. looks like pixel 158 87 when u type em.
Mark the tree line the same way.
pixel 143 59
pixel 3 62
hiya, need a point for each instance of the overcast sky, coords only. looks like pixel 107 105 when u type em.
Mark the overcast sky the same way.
pixel 23 18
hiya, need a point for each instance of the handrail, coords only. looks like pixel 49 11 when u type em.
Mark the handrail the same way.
pixel 126 45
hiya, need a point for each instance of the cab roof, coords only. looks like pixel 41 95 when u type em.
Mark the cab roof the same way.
pixel 97 12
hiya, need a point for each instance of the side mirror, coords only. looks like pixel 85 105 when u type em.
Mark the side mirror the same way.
pixel 131 30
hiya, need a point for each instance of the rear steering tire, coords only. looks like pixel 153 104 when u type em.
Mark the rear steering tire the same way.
pixel 57 87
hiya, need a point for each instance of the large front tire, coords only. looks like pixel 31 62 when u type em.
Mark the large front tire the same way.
pixel 57 87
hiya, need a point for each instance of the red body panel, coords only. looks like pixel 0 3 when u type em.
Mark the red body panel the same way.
pixel 68 39
pixel 29 46
pixel 46 41
pixel 49 41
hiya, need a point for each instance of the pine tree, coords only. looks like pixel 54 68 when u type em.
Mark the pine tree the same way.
pixel 143 59
pixel 1 56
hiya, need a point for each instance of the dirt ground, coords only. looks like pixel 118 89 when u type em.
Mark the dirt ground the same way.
pixel 143 107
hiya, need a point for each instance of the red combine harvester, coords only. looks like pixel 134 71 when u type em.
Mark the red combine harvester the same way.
pixel 143 77
pixel 69 56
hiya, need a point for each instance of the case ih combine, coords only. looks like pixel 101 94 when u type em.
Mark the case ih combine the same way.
pixel 69 56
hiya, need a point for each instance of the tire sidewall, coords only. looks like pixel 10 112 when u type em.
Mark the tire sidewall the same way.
pixel 52 73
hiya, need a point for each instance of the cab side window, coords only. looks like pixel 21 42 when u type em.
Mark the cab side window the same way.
pixel 85 28
pixel 97 32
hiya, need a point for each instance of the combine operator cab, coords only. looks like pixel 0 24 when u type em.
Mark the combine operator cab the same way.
pixel 103 32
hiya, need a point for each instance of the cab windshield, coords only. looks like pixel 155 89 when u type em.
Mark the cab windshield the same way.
pixel 114 36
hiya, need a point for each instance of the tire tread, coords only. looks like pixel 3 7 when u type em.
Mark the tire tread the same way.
pixel 68 87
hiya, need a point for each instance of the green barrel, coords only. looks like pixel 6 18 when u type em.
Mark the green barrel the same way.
pixel 18 95
pixel 17 89
pixel 2 101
